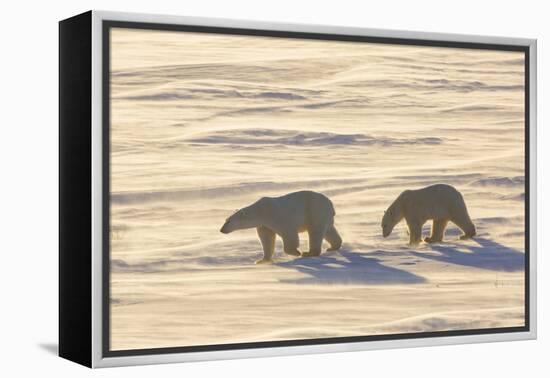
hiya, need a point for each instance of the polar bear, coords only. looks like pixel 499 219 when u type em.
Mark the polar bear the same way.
pixel 287 216
pixel 441 203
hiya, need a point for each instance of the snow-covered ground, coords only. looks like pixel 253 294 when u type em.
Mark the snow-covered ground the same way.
pixel 205 124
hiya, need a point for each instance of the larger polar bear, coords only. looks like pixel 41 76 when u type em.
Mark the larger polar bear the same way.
pixel 441 203
pixel 287 216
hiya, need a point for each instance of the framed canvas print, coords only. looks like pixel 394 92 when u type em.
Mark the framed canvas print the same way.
pixel 236 189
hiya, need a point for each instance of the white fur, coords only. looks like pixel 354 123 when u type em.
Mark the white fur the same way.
pixel 287 216
pixel 441 203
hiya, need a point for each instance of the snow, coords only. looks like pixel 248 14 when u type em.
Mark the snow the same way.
pixel 204 124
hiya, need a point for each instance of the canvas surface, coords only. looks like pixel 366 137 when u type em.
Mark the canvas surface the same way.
pixel 204 124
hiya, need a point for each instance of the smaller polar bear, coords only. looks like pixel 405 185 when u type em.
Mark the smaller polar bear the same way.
pixel 287 216
pixel 440 203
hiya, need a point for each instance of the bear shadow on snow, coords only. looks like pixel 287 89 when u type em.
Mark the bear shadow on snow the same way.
pixel 488 255
pixel 347 267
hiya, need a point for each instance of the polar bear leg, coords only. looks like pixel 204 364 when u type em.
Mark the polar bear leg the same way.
pixel 291 241
pixel 333 237
pixel 316 236
pixel 415 231
pixel 267 238
pixel 438 230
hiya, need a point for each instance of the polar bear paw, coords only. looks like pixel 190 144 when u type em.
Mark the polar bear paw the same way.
pixel 264 261
pixel 432 240
pixel 311 254
pixel 293 252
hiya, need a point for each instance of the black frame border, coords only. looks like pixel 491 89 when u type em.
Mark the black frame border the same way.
pixel 107 25
pixel 75 189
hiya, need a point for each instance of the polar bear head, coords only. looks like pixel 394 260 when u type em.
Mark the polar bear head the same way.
pixel 394 214
pixel 240 220
pixel 248 217
pixel 388 222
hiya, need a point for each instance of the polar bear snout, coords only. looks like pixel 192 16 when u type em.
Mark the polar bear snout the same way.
pixel 225 228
